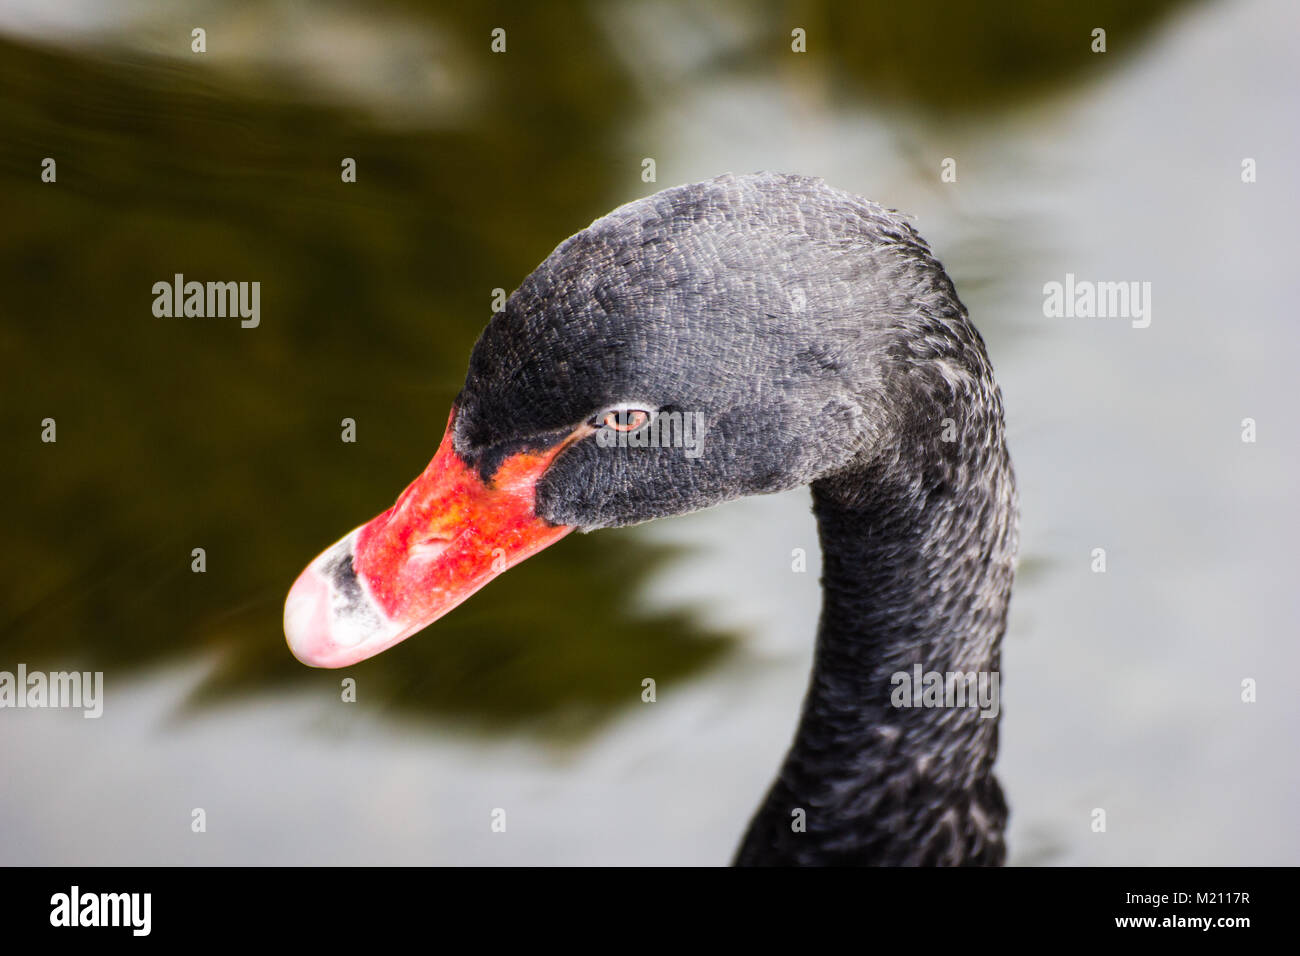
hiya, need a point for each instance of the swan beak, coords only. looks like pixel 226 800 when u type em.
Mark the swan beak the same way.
pixel 448 535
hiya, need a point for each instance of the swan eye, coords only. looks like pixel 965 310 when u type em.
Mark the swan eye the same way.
pixel 624 419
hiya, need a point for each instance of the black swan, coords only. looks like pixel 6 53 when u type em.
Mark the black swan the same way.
pixel 813 339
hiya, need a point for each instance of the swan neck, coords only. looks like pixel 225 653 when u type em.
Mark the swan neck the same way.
pixel 917 569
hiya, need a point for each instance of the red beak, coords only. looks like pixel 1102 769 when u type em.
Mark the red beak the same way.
pixel 449 534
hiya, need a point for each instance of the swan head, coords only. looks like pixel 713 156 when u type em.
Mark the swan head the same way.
pixel 712 341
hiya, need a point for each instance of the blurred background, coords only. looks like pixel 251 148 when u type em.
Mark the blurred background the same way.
pixel 1120 690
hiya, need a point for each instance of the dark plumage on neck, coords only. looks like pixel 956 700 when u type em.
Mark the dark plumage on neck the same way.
pixel 918 539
